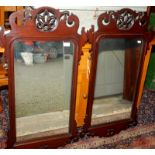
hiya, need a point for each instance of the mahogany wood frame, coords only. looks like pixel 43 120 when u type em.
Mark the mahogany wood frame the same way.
pixel 63 27
pixel 108 27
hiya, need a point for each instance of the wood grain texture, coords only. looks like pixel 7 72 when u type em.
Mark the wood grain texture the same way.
pixel 82 85
pixel 4 9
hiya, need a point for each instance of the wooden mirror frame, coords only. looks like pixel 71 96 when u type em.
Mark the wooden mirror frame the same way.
pixel 65 28
pixel 108 27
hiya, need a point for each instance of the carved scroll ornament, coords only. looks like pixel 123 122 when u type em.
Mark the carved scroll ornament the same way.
pixel 124 20
pixel 45 19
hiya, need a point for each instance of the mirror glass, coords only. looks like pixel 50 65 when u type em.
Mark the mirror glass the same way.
pixel 116 78
pixel 43 79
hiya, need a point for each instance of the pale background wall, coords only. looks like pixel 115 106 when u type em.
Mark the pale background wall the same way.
pixel 110 73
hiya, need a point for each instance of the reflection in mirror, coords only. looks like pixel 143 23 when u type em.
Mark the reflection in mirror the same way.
pixel 117 71
pixel 43 77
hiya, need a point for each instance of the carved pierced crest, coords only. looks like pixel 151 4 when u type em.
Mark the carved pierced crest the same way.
pixel 124 19
pixel 46 21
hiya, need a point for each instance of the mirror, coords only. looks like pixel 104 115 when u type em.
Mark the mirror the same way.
pixel 116 77
pixel 43 80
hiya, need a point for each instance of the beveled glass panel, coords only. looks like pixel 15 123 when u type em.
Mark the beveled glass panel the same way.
pixel 116 79
pixel 43 79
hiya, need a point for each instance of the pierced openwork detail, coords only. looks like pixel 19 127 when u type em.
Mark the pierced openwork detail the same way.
pixel 66 15
pixel 125 21
pixel 46 21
